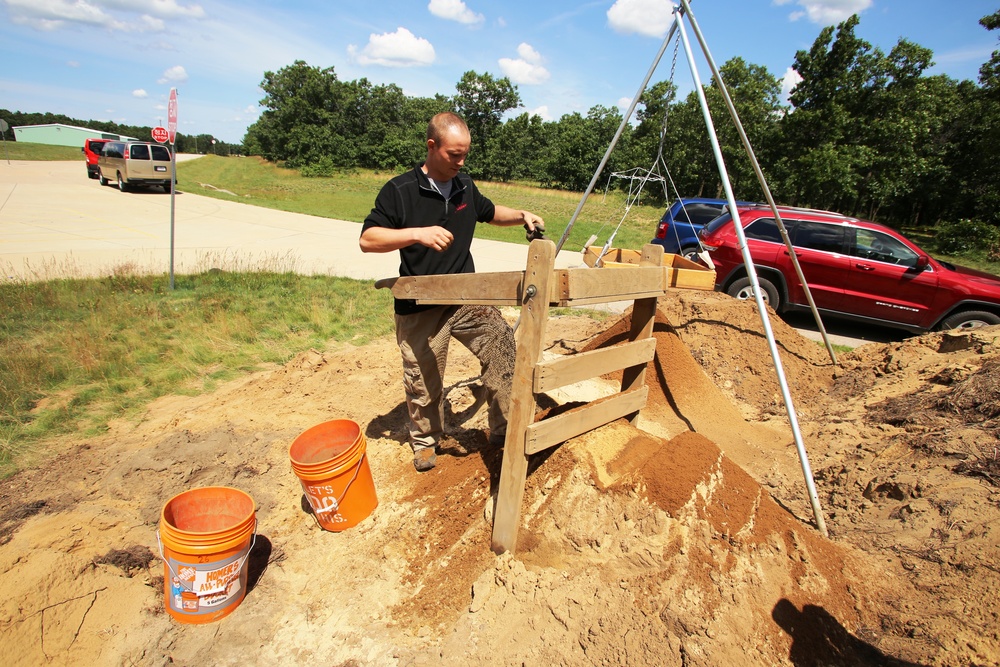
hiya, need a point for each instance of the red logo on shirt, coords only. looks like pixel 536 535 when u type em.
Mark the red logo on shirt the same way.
pixel 460 207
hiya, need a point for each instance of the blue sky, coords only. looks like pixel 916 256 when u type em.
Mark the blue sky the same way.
pixel 117 59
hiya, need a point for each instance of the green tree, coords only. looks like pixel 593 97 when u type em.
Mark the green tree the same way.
pixel 514 151
pixel 989 73
pixel 756 94
pixel 823 148
pixel 863 138
pixel 482 101
pixel 304 118
pixel 577 146
pixel 974 163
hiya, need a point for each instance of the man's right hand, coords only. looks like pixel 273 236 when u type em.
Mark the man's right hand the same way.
pixel 384 239
pixel 435 238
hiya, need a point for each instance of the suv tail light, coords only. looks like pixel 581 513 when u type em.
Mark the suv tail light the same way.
pixel 661 229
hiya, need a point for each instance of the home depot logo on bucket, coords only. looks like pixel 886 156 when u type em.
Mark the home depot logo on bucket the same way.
pixel 331 462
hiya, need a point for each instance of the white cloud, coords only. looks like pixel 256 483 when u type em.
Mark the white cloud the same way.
pixel 454 10
pixel 140 93
pixel 165 8
pixel 789 81
pixel 527 69
pixel 54 14
pixel 73 63
pixel 394 49
pixel 542 111
pixel 149 23
pixel 645 17
pixel 51 15
pixel 176 74
pixel 624 102
pixel 826 12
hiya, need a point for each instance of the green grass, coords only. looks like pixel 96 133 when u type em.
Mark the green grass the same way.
pixel 75 354
pixel 350 195
pixel 23 150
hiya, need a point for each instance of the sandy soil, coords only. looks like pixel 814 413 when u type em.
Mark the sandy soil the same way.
pixel 686 541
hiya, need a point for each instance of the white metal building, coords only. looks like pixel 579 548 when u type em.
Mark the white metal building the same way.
pixel 58 134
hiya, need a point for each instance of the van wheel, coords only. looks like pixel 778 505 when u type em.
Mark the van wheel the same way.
pixel 122 185
pixel 743 290
pixel 101 179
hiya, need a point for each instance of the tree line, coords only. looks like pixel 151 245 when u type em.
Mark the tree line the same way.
pixel 869 133
pixel 184 143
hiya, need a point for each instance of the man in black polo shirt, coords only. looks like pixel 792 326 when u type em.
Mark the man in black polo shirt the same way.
pixel 429 215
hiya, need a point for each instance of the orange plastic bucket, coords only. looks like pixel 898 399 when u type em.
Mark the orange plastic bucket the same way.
pixel 205 539
pixel 331 462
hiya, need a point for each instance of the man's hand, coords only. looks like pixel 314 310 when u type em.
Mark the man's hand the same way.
pixel 534 227
pixel 537 231
pixel 435 238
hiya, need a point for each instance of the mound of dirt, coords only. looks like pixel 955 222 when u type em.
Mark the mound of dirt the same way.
pixel 685 541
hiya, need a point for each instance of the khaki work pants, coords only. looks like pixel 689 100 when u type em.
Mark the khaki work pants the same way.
pixel 423 340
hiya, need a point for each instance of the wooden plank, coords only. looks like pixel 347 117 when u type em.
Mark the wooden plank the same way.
pixel 643 316
pixel 571 368
pixel 551 432
pixel 530 337
pixel 498 289
pixel 681 273
pixel 614 284
pixel 683 279
pixel 613 255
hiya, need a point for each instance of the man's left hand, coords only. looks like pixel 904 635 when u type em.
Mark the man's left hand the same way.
pixel 534 227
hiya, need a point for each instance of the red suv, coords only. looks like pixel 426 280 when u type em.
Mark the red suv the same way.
pixel 855 269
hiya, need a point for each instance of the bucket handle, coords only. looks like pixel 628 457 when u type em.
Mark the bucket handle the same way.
pixel 357 469
pixel 167 562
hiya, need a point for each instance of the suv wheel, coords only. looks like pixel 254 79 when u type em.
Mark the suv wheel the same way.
pixel 121 183
pixel 690 252
pixel 101 179
pixel 743 290
pixel 970 319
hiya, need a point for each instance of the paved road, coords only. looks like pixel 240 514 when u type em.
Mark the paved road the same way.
pixel 55 222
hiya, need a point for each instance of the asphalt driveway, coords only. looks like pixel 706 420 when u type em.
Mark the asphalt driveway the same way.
pixel 55 222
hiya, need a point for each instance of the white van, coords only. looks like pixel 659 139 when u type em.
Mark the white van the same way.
pixel 133 164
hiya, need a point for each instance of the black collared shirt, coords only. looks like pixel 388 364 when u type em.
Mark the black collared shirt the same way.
pixel 409 200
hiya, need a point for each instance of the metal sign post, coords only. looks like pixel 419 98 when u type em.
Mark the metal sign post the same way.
pixel 171 137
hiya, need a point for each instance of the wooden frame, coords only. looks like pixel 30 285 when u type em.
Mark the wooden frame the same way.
pixel 639 277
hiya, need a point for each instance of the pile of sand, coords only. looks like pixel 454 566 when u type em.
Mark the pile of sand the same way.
pixel 686 541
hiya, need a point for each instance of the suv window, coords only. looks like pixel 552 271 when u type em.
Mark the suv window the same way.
pixel 699 214
pixel 139 152
pixel 718 223
pixel 160 153
pixel 818 236
pixel 764 229
pixel 880 247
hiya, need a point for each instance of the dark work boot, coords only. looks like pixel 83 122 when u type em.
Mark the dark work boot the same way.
pixel 424 459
